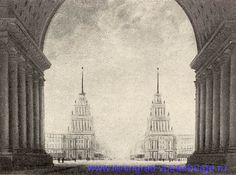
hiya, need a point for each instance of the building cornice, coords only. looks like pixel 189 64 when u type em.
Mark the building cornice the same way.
pixel 224 36
pixel 23 41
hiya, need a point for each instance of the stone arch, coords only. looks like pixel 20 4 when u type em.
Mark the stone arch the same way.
pixel 23 25
pixel 47 23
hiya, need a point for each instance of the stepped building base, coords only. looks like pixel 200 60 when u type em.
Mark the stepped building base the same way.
pixel 14 161
pixel 218 159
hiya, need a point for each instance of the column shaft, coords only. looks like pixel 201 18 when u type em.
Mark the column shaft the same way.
pixel 197 113
pixel 41 113
pixel 209 106
pixel 36 111
pixel 202 114
pixel 224 104
pixel 30 109
pixel 216 110
pixel 13 105
pixel 22 106
pixel 4 110
pixel 232 139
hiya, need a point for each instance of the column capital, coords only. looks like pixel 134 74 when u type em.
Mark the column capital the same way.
pixel 216 67
pixel 41 81
pixel 13 55
pixel 29 70
pixel 208 72
pixel 3 39
pixel 22 64
pixel 225 57
pixel 202 77
pixel 36 76
pixel 197 81
pixel 3 45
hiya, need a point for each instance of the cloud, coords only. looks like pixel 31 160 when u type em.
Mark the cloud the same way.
pixel 120 43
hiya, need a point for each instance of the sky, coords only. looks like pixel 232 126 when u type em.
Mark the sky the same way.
pixel 120 43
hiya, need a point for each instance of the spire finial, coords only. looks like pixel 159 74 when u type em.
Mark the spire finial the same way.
pixel 158 80
pixel 82 83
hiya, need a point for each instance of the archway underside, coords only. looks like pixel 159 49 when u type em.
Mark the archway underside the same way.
pixel 23 26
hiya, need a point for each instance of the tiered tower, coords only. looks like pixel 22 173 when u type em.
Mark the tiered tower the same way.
pixel 80 141
pixel 158 122
pixel 82 120
pixel 159 137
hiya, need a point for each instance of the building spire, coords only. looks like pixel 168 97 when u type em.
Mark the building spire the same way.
pixel 158 80
pixel 82 82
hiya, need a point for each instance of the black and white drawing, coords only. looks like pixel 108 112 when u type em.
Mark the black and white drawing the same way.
pixel 117 87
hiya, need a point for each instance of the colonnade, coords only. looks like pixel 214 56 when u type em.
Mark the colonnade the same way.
pixel 21 103
pixel 82 125
pixel 160 125
pixel 216 105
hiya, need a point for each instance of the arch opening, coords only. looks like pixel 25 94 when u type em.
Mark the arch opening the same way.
pixel 120 54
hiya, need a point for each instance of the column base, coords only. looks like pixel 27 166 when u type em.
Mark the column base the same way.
pixel 217 159
pixel 18 161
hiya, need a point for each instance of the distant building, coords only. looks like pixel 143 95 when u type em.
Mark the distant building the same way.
pixel 159 138
pixel 184 146
pixel 138 153
pixel 79 142
pixel 55 144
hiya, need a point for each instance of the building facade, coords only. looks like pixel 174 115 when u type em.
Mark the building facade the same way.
pixel 55 144
pixel 159 138
pixel 184 146
pixel 79 142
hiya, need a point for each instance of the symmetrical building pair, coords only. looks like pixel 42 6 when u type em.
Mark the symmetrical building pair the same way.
pixel 79 142
pixel 24 24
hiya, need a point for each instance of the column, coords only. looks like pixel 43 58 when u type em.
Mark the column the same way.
pixel 224 102
pixel 36 110
pixel 82 121
pixel 80 125
pixel 166 126
pixel 4 112
pixel 232 139
pixel 162 126
pixel 41 113
pixel 209 106
pixel 202 113
pixel 197 114
pixel 155 125
pixel 216 109
pixel 86 124
pixel 30 109
pixel 13 102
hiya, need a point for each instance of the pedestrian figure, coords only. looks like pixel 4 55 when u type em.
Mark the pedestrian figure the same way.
pixel 63 160
pixel 58 159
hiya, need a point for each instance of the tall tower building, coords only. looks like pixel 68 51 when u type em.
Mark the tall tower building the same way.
pixel 81 118
pixel 159 137
pixel 80 141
